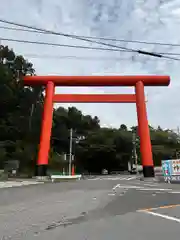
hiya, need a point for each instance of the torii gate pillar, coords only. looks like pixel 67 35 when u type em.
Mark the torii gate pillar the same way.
pixel 143 131
pixel 44 146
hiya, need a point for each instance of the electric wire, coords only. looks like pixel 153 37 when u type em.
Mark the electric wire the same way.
pixel 90 48
pixel 143 52
pixel 93 37
pixel 86 58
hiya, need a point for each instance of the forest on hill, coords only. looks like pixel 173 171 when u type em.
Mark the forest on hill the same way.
pixel 94 147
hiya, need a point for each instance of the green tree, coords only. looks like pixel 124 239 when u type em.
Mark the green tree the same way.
pixel 16 102
pixel 123 127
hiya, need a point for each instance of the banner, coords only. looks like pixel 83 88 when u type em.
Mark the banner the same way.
pixel 175 165
pixel 171 169
pixel 167 168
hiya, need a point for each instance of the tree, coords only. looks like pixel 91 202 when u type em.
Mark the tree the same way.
pixel 123 127
pixel 16 102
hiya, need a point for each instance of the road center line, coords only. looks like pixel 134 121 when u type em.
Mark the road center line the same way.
pixel 161 207
pixel 162 216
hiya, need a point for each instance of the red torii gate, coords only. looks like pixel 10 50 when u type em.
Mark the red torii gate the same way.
pixel 139 98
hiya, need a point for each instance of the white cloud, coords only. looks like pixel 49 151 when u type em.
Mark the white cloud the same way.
pixel 150 20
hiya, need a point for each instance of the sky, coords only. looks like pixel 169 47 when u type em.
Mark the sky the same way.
pixel 144 20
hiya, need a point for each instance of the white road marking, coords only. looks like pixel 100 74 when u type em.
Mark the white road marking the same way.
pixel 151 185
pixel 111 194
pixel 131 178
pixel 154 189
pixel 118 178
pixel 175 192
pixel 162 216
pixel 113 178
pixel 141 188
pixel 129 186
pixel 116 186
pixel 10 184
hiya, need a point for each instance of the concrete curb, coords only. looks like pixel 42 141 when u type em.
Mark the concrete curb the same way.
pixel 65 178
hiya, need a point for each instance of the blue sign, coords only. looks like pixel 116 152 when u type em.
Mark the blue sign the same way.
pixel 167 168
pixel 171 170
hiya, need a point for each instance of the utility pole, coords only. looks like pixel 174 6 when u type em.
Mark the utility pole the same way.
pixel 136 160
pixel 70 150
pixel 178 140
pixel 134 151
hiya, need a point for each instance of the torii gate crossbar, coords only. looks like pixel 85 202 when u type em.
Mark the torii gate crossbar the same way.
pixel 94 98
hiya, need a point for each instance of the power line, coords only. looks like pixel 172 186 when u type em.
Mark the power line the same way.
pixel 61 45
pixel 21 30
pixel 88 40
pixel 93 37
pixel 65 35
pixel 161 55
pixel 44 56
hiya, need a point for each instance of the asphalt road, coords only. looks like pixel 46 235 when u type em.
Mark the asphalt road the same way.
pixel 103 208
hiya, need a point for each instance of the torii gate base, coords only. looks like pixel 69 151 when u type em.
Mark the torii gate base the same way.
pixel 138 81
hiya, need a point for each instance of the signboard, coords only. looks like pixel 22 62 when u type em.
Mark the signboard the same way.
pixel 166 168
pixel 171 170
pixel 175 167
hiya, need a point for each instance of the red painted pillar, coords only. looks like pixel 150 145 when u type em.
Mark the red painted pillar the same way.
pixel 42 162
pixel 143 130
pixel 73 170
